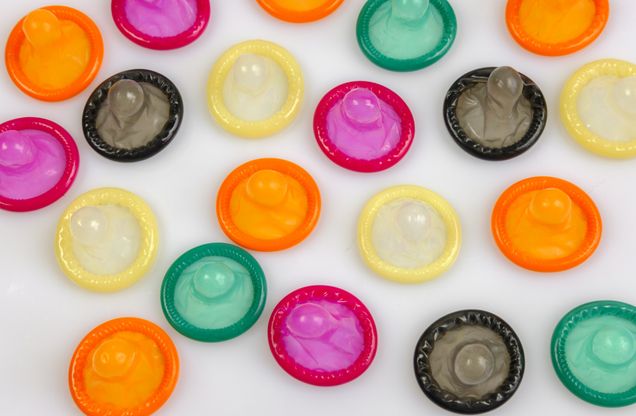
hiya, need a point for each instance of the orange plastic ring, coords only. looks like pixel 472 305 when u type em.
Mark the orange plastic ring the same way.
pixel 515 26
pixel 79 361
pixel 224 197
pixel 12 57
pixel 295 12
pixel 517 256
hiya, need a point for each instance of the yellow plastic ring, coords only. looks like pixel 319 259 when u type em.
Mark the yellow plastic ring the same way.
pixel 71 266
pixel 569 113
pixel 403 275
pixel 284 116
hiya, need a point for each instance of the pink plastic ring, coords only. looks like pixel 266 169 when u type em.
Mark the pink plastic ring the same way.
pixel 388 99
pixel 70 170
pixel 125 26
pixel 343 302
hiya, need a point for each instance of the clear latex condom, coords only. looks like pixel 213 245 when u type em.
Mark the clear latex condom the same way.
pixel 255 89
pixel 126 366
pixel 322 335
pixel 409 234
pixel 300 11
pixel 38 163
pixel 106 240
pixel 598 108
pixel 54 53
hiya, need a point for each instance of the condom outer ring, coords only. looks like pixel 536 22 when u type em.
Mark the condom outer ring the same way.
pixel 70 169
pixel 570 115
pixel 404 65
pixel 399 274
pixel 170 129
pixel 322 378
pixel 447 400
pixel 278 121
pixel 161 43
pixel 92 340
pixel 559 357
pixel 190 257
pixel 71 266
pixel 19 78
pixel 296 16
pixel 523 38
pixel 578 196
pixel 331 150
pixel 246 240
pixel 530 91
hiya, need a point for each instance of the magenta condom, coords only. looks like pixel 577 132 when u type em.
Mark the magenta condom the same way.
pixel 38 163
pixel 161 24
pixel 322 335
pixel 363 126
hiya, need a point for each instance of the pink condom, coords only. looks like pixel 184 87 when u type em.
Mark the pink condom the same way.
pixel 161 24
pixel 38 163
pixel 363 126
pixel 322 335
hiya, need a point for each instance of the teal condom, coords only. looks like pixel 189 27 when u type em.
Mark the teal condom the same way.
pixel 406 35
pixel 213 292
pixel 594 353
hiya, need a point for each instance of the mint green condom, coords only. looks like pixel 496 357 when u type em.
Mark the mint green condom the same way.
pixel 406 35
pixel 594 353
pixel 213 292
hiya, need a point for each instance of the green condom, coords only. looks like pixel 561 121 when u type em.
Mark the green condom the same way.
pixel 594 353
pixel 213 292
pixel 406 35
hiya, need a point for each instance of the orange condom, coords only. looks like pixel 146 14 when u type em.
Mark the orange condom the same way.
pixel 54 53
pixel 300 11
pixel 556 27
pixel 546 224
pixel 268 205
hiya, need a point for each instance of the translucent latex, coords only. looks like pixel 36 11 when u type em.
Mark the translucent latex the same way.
pixel 161 18
pixel 546 224
pixel 255 88
pixel 607 107
pixel 470 362
pixel 268 205
pixel 495 113
pixel 214 293
pixel 55 52
pixel 408 233
pixel 406 29
pixel 363 126
pixel 124 370
pixel 132 115
pixel 322 335
pixel 556 21
pixel 601 353
pixel 106 238
pixel 31 163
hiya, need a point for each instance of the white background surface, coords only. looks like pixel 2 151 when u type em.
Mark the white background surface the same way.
pixel 43 315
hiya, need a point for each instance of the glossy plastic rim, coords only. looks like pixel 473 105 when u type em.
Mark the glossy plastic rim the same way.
pixel 386 62
pixel 559 360
pixel 94 337
pixel 570 116
pixel 147 250
pixel 531 44
pixel 322 378
pixel 70 169
pixel 191 256
pixel 12 57
pixel 224 197
pixel 331 150
pixel 262 128
pixel 295 16
pixel 592 216
pixel 399 274
pixel 161 43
